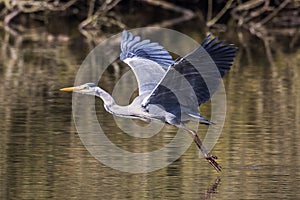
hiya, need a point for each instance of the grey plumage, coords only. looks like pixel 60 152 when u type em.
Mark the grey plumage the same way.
pixel 169 91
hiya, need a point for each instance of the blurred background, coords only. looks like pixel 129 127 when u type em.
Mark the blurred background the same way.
pixel 42 46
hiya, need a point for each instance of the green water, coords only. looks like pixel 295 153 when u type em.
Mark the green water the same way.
pixel 42 156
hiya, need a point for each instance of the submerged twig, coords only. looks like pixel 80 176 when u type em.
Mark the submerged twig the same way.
pixel 186 13
pixel 7 20
pixel 220 14
pixel 259 17
pixel 100 12
pixel 10 16
pixel 249 5
pixel 15 8
pixel 34 6
pixel 275 12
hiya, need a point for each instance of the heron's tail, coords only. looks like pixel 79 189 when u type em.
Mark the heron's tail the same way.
pixel 201 119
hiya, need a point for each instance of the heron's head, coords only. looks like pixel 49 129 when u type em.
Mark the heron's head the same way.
pixel 87 88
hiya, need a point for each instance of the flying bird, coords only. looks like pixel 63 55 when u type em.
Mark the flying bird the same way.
pixel 170 91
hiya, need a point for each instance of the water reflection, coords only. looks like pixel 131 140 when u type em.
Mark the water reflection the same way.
pixel 41 155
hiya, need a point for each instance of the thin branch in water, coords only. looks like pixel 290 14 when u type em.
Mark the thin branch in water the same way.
pixel 91 8
pixel 275 12
pixel 186 13
pixel 249 5
pixel 209 10
pixel 10 16
pixel 268 51
pixel 7 20
pixel 220 14
pixel 100 12
pixel 35 6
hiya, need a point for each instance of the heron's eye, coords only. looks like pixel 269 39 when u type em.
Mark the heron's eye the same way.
pixel 86 88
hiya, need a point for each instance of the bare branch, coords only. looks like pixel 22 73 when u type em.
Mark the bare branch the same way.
pixel 220 14
pixel 100 12
pixel 186 13
pixel 275 12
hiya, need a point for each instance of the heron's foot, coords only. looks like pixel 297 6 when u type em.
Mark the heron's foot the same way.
pixel 212 161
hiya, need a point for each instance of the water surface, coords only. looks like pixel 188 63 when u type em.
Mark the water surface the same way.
pixel 42 156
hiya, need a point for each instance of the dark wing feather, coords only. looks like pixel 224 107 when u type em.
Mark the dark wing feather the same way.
pixel 202 69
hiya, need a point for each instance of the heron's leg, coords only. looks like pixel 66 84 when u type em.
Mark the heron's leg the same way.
pixel 210 158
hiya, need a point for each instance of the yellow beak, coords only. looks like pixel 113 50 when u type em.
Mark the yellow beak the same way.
pixel 68 89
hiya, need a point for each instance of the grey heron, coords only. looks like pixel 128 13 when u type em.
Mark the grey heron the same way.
pixel 156 72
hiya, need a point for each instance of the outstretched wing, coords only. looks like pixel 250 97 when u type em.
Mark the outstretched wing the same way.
pixel 193 79
pixel 148 60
